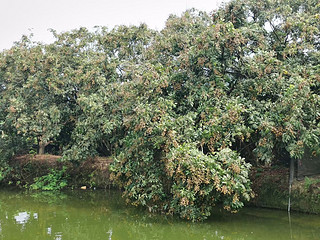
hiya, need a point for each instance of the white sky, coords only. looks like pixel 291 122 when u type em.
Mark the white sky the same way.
pixel 18 17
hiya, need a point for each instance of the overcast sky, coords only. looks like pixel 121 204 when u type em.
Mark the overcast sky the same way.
pixel 18 17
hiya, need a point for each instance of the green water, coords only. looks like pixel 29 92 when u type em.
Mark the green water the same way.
pixel 104 215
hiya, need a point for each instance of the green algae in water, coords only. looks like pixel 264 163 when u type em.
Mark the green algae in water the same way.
pixel 104 215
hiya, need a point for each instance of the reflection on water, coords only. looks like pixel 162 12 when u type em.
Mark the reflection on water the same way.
pixel 22 218
pixel 58 236
pixel 110 234
pixel 103 215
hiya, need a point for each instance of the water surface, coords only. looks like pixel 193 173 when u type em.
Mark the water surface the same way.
pixel 104 215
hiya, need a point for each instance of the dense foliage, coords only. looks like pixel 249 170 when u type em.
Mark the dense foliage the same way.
pixel 179 110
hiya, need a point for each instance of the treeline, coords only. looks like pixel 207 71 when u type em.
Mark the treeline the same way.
pixel 179 110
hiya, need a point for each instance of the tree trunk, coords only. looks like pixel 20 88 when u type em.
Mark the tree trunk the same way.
pixel 42 147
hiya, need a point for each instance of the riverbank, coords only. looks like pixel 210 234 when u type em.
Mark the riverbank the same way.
pixel 272 190
pixel 25 170
pixel 270 185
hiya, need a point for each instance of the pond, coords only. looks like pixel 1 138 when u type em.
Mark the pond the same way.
pixel 104 215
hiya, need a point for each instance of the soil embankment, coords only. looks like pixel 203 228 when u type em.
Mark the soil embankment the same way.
pixel 272 190
pixel 93 173
pixel 269 184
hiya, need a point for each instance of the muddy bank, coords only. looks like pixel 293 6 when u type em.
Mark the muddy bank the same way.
pixel 93 173
pixel 272 190
pixel 269 184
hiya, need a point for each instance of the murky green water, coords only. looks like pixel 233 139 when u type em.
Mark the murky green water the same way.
pixel 103 215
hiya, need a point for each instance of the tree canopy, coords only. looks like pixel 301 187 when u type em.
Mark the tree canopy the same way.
pixel 184 111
